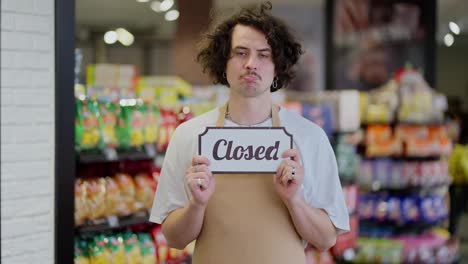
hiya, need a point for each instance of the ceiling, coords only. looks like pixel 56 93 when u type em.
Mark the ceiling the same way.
pixel 102 15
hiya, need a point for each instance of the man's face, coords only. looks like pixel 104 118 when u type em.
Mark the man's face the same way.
pixel 250 69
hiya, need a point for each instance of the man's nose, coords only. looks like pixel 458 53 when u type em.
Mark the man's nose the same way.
pixel 251 62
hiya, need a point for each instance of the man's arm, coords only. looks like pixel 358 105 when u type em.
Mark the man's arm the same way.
pixel 183 225
pixel 312 224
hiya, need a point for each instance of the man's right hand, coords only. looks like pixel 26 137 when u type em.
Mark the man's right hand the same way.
pixel 200 181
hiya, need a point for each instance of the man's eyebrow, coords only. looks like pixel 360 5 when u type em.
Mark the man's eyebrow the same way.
pixel 245 48
pixel 239 47
pixel 264 50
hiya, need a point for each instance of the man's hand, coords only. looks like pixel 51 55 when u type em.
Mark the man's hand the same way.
pixel 200 181
pixel 289 176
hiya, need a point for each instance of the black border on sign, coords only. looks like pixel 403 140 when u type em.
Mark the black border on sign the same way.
pixel 244 128
pixel 64 131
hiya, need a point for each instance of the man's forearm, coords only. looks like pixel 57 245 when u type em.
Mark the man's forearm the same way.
pixel 183 225
pixel 312 224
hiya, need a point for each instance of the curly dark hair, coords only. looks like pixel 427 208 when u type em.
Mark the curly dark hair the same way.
pixel 215 46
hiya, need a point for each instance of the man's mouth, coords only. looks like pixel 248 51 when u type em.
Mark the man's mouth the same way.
pixel 251 77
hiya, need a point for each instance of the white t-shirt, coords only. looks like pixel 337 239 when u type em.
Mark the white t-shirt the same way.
pixel 321 187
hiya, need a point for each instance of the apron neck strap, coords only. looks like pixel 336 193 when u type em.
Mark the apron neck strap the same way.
pixel 274 115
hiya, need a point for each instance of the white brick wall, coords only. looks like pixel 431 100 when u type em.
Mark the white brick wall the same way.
pixel 27 129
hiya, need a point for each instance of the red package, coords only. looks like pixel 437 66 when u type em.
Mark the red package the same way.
pixel 347 240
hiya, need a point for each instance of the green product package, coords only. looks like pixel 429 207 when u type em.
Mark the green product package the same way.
pixel 130 128
pixel 132 248
pixel 80 252
pixel 117 249
pixel 98 251
pixel 109 113
pixel 88 125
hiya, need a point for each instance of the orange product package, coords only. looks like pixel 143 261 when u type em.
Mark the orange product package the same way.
pixel 96 193
pixel 112 196
pixel 410 132
pixel 378 133
pixel 81 204
pixel 127 194
pixel 144 194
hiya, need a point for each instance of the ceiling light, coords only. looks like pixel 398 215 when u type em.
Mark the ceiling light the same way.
pixel 142 1
pixel 454 28
pixel 448 40
pixel 125 37
pixel 166 5
pixel 110 37
pixel 171 15
pixel 156 6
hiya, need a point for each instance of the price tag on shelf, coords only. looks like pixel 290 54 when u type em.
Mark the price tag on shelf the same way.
pixel 150 150
pixel 158 161
pixel 113 221
pixel 110 153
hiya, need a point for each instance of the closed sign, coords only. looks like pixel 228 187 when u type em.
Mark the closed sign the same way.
pixel 244 150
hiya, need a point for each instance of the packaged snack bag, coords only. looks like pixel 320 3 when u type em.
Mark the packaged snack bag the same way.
pixel 428 212
pixel 132 248
pixel 127 194
pixel 148 249
pixel 394 209
pixel 144 191
pixel 168 126
pixel 109 113
pixel 162 249
pixel 79 127
pixel 410 208
pixel 112 196
pixel 131 123
pixel 88 129
pixel 98 251
pixel 96 193
pixel 81 252
pixel 81 203
pixel 151 123
pixel 117 249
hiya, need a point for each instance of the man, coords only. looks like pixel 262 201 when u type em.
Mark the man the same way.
pixel 251 218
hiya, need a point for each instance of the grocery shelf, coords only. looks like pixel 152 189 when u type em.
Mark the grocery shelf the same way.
pixel 113 222
pixel 402 228
pixel 375 188
pixel 146 152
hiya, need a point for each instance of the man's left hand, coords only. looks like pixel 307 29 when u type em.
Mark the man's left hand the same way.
pixel 289 176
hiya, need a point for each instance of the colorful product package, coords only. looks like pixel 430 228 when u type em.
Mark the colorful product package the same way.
pixel 168 126
pixel 144 190
pixel 148 249
pixel 152 122
pixel 87 125
pixel 96 194
pixel 112 196
pixel 410 209
pixel 117 249
pixel 127 193
pixel 132 248
pixel 98 251
pixel 81 252
pixel 109 112
pixel 131 125
pixel 81 202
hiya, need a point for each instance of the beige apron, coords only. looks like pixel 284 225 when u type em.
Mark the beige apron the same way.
pixel 246 222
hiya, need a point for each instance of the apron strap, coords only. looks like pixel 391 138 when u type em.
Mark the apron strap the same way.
pixel 221 116
pixel 274 116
